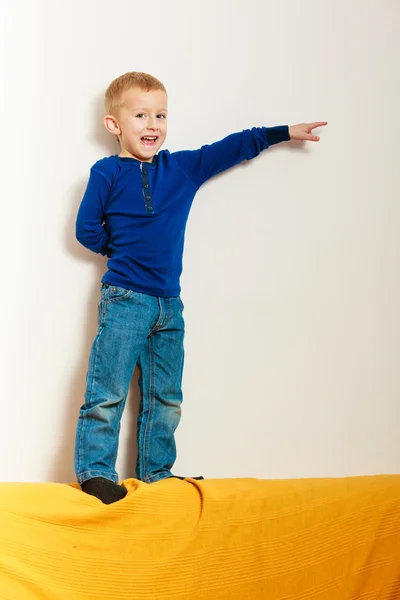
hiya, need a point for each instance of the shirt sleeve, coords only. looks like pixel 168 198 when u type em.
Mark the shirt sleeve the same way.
pixel 90 229
pixel 202 164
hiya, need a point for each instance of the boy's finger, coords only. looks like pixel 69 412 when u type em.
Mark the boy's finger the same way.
pixel 318 124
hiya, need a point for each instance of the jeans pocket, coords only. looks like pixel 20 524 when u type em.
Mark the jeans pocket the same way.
pixel 118 293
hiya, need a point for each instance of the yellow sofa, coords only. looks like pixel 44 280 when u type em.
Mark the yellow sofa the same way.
pixel 244 539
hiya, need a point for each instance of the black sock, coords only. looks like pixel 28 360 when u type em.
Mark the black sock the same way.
pixel 177 477
pixel 104 489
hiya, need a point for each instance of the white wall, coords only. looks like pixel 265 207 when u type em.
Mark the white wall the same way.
pixel 291 280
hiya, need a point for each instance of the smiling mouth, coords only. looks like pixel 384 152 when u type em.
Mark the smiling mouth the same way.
pixel 149 140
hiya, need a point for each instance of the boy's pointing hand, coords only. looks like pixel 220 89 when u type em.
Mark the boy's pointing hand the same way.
pixel 302 132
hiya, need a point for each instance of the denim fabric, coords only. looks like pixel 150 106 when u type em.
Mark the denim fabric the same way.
pixel 133 329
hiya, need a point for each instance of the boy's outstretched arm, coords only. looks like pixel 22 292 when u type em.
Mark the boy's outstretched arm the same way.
pixel 90 230
pixel 209 160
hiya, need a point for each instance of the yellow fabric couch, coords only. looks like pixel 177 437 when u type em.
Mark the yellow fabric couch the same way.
pixel 244 539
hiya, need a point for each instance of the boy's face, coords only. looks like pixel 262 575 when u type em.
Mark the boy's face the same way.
pixel 140 122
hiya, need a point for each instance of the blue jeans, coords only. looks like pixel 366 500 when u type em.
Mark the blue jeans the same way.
pixel 133 329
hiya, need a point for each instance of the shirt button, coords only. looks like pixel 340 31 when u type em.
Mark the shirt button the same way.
pixel 144 172
pixel 148 197
pixel 146 185
pixel 151 208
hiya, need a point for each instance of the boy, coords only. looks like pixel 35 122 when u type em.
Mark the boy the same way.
pixel 134 211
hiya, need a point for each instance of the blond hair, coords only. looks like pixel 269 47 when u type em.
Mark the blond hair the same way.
pixel 143 81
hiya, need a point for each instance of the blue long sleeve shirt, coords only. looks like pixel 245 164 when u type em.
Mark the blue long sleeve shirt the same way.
pixel 136 212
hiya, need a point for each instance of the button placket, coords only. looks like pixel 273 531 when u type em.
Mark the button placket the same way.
pixel 146 188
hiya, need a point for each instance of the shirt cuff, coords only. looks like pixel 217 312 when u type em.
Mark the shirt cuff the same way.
pixel 275 135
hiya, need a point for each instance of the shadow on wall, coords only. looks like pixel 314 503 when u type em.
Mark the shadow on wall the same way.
pixel 63 468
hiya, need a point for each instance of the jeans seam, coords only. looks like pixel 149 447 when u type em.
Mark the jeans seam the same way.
pixel 147 429
pixel 92 376
pixel 159 322
pixel 120 409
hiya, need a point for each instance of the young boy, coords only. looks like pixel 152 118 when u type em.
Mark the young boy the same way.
pixel 134 211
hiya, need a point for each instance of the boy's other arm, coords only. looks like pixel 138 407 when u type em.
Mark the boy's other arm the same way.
pixel 90 230
pixel 211 159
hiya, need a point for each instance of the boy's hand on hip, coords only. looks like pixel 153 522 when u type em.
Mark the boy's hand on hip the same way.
pixel 303 131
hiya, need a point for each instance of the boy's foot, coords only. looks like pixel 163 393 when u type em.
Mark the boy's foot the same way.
pixel 105 490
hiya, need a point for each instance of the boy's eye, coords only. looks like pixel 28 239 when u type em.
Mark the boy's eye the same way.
pixel 160 116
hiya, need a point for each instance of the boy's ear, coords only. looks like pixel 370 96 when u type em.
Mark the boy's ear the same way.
pixel 111 124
